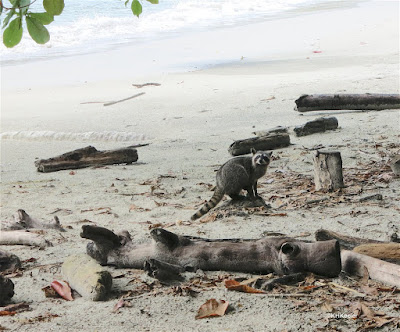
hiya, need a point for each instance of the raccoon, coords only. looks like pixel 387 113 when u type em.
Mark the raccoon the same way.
pixel 236 174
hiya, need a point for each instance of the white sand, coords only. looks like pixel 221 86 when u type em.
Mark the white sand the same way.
pixel 190 121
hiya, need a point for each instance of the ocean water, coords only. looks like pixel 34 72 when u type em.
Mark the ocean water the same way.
pixel 96 25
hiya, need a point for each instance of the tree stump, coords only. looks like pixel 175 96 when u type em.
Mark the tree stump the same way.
pixel 328 173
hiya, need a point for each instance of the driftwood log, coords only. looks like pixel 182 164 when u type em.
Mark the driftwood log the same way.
pixel 345 241
pixel 23 220
pixel 275 130
pixel 328 174
pixel 23 238
pixel 367 101
pixel 87 277
pixel 355 264
pixel 87 157
pixel 318 125
pixel 6 289
pixel 9 262
pixel 262 143
pixel 387 251
pixel 266 255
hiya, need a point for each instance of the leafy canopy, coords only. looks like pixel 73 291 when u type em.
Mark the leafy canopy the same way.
pixel 13 16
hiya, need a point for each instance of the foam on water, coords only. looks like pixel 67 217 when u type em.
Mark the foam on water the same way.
pixel 108 136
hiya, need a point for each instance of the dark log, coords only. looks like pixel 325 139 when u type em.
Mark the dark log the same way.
pixel 318 125
pixel 87 157
pixel 367 101
pixel 163 271
pixel 6 289
pixel 345 241
pixel 354 264
pixel 328 174
pixel 263 143
pixel 9 262
pixel 22 220
pixel 387 251
pixel 266 255
pixel 275 130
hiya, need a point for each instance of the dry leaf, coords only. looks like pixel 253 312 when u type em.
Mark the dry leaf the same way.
pixel 7 313
pixel 237 286
pixel 121 303
pixel 63 289
pixel 212 308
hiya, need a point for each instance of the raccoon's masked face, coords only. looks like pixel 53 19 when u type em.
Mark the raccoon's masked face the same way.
pixel 262 158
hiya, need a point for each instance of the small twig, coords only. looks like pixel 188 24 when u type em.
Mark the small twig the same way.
pixel 145 84
pixel 119 101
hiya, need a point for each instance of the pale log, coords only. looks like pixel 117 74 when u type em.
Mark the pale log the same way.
pixel 280 255
pixel 23 220
pixel 354 263
pixel 87 157
pixel 23 238
pixel 87 277
pixel 328 174
pixel 262 143
pixel 367 101
pixel 345 241
pixel 386 251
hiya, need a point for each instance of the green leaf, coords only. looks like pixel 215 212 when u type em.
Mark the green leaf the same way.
pixel 24 6
pixel 13 34
pixel 53 7
pixel 136 8
pixel 154 2
pixel 37 30
pixel 126 2
pixel 8 17
pixel 45 18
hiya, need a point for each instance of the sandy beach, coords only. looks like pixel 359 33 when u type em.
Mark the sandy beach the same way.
pixel 226 85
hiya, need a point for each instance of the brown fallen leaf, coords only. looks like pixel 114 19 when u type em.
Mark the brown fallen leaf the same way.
pixel 237 286
pixel 63 289
pixel 212 308
pixel 7 313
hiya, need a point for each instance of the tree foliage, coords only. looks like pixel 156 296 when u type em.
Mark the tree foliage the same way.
pixel 19 11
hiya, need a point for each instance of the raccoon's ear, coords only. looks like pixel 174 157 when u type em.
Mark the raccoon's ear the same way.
pixel 253 151
pixel 269 154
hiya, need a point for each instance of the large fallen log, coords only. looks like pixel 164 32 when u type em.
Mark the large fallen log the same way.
pixel 22 220
pixel 345 241
pixel 9 262
pixel 367 101
pixel 266 255
pixel 354 264
pixel 386 251
pixel 87 277
pixel 86 157
pixel 262 143
pixel 6 289
pixel 23 238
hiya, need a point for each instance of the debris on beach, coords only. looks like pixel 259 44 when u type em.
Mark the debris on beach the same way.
pixel 262 143
pixel 318 125
pixel 212 308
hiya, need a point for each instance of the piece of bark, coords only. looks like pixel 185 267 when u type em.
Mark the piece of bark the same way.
pixel 270 142
pixel 87 157
pixel 386 251
pixel 266 255
pixel 275 130
pixel 9 262
pixel 6 289
pixel 318 125
pixel 22 220
pixel 87 277
pixel 354 263
pixel 23 238
pixel 345 241
pixel 328 174
pixel 367 101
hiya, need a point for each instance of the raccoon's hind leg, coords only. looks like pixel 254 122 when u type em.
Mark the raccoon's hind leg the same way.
pixel 237 197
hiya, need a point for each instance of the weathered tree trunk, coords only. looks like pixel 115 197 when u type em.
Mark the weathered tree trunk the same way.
pixel 87 157
pixel 266 255
pixel 6 289
pixel 22 220
pixel 318 125
pixel 9 262
pixel 386 251
pixel 354 263
pixel 275 130
pixel 367 101
pixel 262 143
pixel 345 241
pixel 23 238
pixel 87 277
pixel 328 170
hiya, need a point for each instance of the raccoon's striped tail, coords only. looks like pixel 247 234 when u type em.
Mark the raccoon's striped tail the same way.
pixel 212 203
